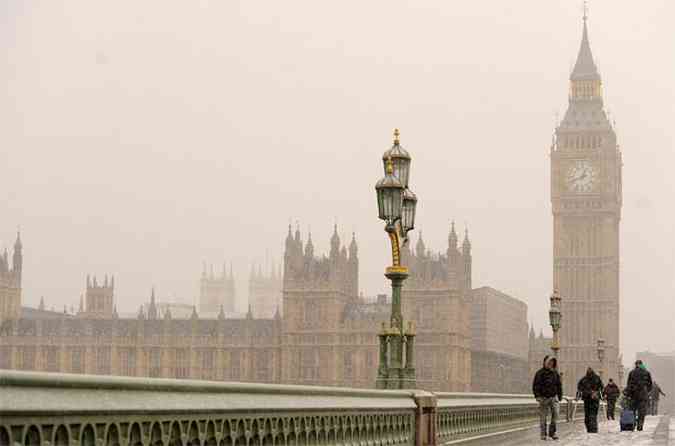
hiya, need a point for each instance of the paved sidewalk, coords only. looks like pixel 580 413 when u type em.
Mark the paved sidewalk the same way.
pixel 610 435
pixel 655 433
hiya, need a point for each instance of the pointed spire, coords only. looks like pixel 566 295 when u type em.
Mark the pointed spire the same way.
pixel 249 314
pixel 309 246
pixel 585 68
pixel 42 304
pixel 221 313
pixel 277 314
pixel 532 335
pixel 420 248
pixel 17 244
pixel 466 245
pixel 115 315
pixel 167 314
pixel 141 313
pixel 81 309
pixel 353 247
pixel 452 237
pixel 194 316
pixel 152 308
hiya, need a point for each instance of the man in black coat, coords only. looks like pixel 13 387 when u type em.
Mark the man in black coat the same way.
pixel 638 387
pixel 547 390
pixel 590 390
pixel 611 394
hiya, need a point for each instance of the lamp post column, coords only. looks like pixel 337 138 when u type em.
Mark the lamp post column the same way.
pixel 396 206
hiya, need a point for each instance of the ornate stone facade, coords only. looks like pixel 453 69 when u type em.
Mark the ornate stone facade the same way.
pixel 499 343
pixel 586 197
pixel 264 292
pixel 10 282
pixel 327 334
pixel 217 291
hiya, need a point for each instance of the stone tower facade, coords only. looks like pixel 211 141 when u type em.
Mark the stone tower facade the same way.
pixel 586 202
pixel 437 296
pixel 10 282
pixel 217 291
pixel 316 292
pixel 99 299
pixel 264 292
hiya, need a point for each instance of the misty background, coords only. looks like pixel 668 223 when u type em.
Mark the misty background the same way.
pixel 142 138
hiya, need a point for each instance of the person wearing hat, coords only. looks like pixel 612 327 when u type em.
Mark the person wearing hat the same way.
pixel 638 388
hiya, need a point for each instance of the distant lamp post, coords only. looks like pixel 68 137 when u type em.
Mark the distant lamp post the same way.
pixel 601 356
pixel 620 371
pixel 396 205
pixel 555 317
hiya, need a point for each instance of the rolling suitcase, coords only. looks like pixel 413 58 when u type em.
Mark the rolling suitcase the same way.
pixel 627 420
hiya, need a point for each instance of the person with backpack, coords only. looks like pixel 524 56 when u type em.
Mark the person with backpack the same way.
pixel 547 390
pixel 638 388
pixel 590 390
pixel 611 394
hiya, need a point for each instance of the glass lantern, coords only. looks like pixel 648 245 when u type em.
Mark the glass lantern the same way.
pixel 389 196
pixel 408 211
pixel 400 159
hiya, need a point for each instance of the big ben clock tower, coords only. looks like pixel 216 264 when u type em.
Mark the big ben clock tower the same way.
pixel 586 201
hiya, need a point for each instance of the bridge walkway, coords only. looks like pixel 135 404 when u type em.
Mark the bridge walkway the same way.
pixel 658 431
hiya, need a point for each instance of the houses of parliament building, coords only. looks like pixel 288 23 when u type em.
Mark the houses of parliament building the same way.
pixel 308 323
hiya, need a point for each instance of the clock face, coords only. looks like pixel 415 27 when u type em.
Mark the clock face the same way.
pixel 581 176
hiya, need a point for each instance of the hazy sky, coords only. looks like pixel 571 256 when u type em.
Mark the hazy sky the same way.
pixel 141 138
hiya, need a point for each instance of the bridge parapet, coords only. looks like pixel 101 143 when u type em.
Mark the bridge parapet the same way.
pixel 48 409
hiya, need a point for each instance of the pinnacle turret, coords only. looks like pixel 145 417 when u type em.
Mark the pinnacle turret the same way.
pixel 585 68
pixel 466 245
pixel 452 237
pixel 152 308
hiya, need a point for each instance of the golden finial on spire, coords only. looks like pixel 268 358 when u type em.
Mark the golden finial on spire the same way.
pixel 390 166
pixel 397 135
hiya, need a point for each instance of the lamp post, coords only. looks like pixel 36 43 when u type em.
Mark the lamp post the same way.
pixel 601 356
pixel 555 316
pixel 620 371
pixel 396 206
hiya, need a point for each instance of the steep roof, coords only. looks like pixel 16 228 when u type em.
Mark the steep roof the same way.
pixel 585 68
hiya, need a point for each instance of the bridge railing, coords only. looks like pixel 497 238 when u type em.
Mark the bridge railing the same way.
pixel 47 409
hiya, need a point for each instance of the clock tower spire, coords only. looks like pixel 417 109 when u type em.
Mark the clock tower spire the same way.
pixel 586 203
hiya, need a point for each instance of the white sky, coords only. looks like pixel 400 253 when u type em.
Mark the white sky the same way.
pixel 140 138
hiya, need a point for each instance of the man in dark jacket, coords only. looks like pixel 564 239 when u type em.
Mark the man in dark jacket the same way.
pixel 547 389
pixel 611 394
pixel 638 387
pixel 590 390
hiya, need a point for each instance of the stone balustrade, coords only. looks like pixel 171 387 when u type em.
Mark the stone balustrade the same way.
pixel 45 409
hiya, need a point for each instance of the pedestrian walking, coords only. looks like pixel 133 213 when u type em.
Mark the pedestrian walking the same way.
pixel 590 390
pixel 654 397
pixel 638 388
pixel 611 394
pixel 547 390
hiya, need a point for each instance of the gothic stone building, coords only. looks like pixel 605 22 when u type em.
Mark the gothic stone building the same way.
pixel 216 291
pixel 499 344
pixel 10 283
pixel 264 292
pixel 326 336
pixel 586 199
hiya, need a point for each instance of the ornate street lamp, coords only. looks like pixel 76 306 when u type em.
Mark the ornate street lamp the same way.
pixel 396 206
pixel 555 316
pixel 601 355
